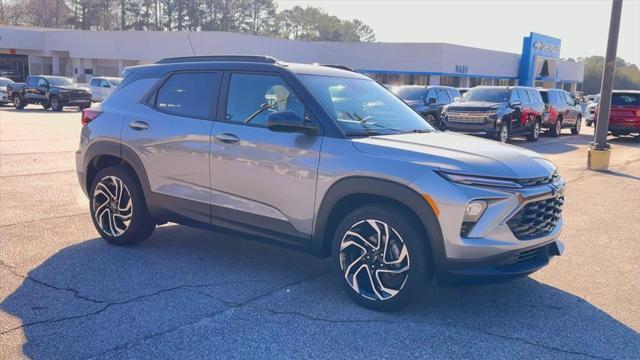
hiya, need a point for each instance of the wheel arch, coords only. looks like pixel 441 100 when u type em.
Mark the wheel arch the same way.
pixel 102 154
pixel 353 192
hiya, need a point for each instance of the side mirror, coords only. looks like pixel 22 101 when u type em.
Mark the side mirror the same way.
pixel 289 121
pixel 516 104
pixel 431 101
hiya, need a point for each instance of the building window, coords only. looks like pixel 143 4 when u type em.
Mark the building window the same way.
pixel 450 81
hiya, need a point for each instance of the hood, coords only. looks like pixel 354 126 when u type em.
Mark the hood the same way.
pixel 70 87
pixel 459 153
pixel 414 103
pixel 475 104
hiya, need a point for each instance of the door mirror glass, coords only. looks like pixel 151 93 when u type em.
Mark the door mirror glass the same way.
pixel 288 121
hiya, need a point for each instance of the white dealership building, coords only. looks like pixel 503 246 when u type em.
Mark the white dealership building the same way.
pixel 83 54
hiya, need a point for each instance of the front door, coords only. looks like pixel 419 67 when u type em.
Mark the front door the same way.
pixel 172 136
pixel 264 182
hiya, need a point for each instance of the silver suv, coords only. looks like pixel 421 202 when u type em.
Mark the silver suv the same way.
pixel 321 159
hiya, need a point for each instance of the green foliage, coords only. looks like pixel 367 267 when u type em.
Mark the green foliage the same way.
pixel 259 17
pixel 627 75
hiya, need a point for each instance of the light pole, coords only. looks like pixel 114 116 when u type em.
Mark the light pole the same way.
pixel 599 152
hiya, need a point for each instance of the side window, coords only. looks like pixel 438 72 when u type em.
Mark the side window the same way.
pixel 524 96
pixel 32 81
pixel 94 82
pixel 443 96
pixel 431 94
pixel 104 83
pixel 454 93
pixel 568 99
pixel 42 82
pixel 252 97
pixel 189 94
pixel 515 96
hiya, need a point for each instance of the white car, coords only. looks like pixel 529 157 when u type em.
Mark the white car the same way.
pixel 4 96
pixel 591 110
pixel 102 86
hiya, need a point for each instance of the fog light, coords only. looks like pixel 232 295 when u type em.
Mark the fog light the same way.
pixel 474 210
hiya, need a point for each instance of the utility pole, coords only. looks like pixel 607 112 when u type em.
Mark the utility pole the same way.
pixel 600 151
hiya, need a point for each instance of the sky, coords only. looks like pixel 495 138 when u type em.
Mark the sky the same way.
pixel 582 25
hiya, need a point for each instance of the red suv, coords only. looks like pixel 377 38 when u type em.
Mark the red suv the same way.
pixel 624 118
pixel 560 111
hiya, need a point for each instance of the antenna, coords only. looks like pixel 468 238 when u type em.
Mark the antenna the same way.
pixel 191 44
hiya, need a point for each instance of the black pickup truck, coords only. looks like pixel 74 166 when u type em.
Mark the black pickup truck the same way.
pixel 52 92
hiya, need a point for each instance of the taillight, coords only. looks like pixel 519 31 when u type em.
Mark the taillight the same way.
pixel 88 115
pixel 638 112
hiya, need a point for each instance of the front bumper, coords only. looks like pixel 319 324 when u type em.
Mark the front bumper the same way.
pixel 4 98
pixel 490 251
pixel 500 268
pixel 483 129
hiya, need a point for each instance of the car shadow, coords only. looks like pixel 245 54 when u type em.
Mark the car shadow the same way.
pixel 550 145
pixel 91 297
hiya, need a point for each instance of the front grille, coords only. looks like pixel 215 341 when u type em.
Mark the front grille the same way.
pixel 539 181
pixel 543 251
pixel 469 117
pixel 536 219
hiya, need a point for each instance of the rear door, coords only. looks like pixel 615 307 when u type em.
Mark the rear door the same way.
pixel 263 181
pixel 517 117
pixel 171 134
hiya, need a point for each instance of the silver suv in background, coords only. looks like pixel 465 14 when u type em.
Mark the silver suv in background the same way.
pixel 319 159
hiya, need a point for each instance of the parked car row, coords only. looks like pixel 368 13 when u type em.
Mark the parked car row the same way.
pixel 55 92
pixel 495 111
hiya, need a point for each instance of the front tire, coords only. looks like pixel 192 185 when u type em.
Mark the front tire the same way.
pixel 56 104
pixel 503 133
pixel 534 134
pixel 575 130
pixel 381 257
pixel 557 129
pixel 18 103
pixel 118 208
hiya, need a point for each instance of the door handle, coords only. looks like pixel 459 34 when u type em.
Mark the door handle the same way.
pixel 138 125
pixel 227 138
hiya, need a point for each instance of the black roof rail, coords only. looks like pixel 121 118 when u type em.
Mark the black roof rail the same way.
pixel 244 58
pixel 341 67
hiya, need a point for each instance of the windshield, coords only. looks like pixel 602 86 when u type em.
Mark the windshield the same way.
pixel 115 82
pixel 495 95
pixel 59 81
pixel 364 107
pixel 410 92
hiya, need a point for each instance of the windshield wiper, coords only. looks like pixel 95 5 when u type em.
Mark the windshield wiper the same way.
pixel 365 121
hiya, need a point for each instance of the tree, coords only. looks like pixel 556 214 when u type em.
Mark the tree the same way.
pixel 258 17
pixel 627 75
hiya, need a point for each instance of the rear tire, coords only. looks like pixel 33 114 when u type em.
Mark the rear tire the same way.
pixel 575 130
pixel 56 104
pixel 534 134
pixel 381 257
pixel 557 128
pixel 118 208
pixel 18 103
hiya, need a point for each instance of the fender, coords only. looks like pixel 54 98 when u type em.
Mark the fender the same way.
pixel 113 148
pixel 321 239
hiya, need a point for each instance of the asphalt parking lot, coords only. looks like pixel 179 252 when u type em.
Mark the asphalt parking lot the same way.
pixel 186 293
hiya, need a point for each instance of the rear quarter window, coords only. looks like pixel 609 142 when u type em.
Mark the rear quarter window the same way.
pixel 192 94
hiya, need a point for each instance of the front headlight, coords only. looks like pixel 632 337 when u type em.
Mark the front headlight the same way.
pixel 479 180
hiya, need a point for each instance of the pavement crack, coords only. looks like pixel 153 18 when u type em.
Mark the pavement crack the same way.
pixel 43 219
pixel 37 174
pixel 396 322
pixel 107 304
pixel 230 305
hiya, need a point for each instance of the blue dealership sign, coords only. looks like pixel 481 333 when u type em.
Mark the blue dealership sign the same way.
pixel 539 59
